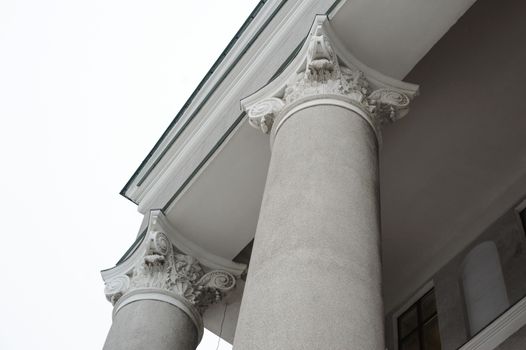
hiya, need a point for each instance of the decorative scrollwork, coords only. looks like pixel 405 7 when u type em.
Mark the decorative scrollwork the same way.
pixel 159 243
pixel 262 114
pixel 323 74
pixel 163 268
pixel 389 105
pixel 116 287
pixel 220 280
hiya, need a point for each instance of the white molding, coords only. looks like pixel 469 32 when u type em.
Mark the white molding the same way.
pixel 330 100
pixel 164 296
pixel 215 77
pixel 499 330
pixel 220 111
pixel 489 338
pixel 159 223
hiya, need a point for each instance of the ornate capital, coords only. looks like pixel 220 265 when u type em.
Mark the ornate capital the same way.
pixel 166 266
pixel 162 267
pixel 319 71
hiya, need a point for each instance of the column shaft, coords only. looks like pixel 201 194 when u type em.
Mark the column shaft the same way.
pixel 151 324
pixel 314 280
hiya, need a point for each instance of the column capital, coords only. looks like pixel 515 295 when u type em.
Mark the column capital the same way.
pixel 161 270
pixel 325 69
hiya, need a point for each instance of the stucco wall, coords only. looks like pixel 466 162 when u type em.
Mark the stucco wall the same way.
pixel 478 57
pixel 515 342
pixel 510 240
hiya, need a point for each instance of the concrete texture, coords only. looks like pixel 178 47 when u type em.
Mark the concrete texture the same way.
pixel 315 279
pixel 151 324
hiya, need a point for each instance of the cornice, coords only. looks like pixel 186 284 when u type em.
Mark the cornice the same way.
pixel 256 22
pixel 214 110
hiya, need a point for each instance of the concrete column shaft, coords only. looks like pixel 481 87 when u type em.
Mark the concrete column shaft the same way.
pixel 314 279
pixel 151 324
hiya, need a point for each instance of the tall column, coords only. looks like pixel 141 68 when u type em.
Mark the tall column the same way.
pixel 314 280
pixel 159 294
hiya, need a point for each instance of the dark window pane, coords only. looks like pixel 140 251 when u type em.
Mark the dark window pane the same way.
pixel 407 322
pixel 428 305
pixel 431 335
pixel 412 342
pixel 522 214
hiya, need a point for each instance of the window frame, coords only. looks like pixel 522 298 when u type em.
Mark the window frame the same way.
pixel 518 209
pixel 407 305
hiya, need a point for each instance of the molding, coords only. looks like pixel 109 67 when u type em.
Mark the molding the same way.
pixel 258 19
pixel 167 297
pixel 499 330
pixel 215 112
pixel 489 337
pixel 319 100
pixel 321 70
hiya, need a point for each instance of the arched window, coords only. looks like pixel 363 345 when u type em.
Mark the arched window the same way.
pixel 484 287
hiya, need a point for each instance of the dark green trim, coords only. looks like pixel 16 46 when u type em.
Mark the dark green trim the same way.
pixel 203 162
pixel 214 88
pixel 333 6
pixel 133 247
pixel 199 87
pixel 288 60
pixel 231 128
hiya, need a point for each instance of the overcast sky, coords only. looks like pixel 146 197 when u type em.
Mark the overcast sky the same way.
pixel 86 89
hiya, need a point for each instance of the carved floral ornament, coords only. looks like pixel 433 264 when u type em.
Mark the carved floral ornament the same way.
pixel 162 267
pixel 322 74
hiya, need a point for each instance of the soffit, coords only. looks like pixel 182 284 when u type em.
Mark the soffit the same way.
pixel 451 164
pixel 392 36
pixel 218 208
pixel 458 161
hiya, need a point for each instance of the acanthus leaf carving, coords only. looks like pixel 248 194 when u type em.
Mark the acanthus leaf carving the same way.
pixel 163 268
pixel 323 74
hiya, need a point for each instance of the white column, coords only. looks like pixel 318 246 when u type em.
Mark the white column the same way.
pixel 151 324
pixel 314 279
pixel 160 292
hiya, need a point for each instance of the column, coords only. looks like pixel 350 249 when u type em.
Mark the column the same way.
pixel 160 292
pixel 152 324
pixel 314 280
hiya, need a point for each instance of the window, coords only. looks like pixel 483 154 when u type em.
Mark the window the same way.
pixel 418 326
pixel 520 210
pixel 522 216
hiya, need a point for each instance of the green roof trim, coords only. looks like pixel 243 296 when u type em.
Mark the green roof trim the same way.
pixel 212 90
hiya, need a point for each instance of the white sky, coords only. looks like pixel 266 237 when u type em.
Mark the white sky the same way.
pixel 86 88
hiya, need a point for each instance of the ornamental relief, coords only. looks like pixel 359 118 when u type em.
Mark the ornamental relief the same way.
pixel 324 75
pixel 162 267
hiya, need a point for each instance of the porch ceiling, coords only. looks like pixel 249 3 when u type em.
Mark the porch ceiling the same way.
pixel 447 170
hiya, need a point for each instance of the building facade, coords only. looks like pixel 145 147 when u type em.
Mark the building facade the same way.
pixel 348 175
